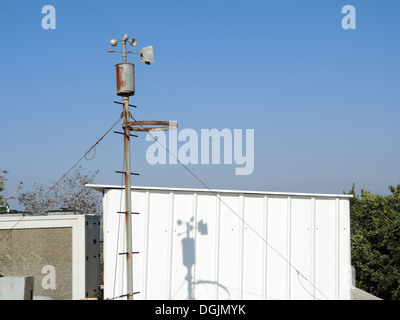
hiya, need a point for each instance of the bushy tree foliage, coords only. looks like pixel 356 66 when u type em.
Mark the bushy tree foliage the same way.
pixel 3 200
pixel 375 242
pixel 70 194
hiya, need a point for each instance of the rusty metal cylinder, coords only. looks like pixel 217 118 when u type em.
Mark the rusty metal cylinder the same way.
pixel 125 79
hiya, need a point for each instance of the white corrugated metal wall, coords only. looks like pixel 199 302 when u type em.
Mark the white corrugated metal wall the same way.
pixel 236 245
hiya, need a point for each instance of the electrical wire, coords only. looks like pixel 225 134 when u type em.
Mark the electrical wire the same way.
pixel 94 154
pixel 84 156
pixel 237 215
pixel 76 163
pixel 298 279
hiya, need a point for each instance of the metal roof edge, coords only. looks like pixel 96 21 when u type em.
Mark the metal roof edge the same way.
pixel 101 188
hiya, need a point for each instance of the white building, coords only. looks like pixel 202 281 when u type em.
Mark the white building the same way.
pixel 228 244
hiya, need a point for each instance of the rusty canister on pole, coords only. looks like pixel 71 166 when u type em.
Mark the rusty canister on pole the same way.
pixel 125 79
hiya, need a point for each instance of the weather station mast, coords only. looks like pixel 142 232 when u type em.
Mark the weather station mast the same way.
pixel 125 73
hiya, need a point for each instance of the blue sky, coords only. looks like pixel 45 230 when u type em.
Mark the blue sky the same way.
pixel 323 101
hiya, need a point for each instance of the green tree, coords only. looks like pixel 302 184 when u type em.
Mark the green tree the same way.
pixel 70 193
pixel 375 242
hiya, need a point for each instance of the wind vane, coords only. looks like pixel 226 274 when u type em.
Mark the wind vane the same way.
pixel 146 53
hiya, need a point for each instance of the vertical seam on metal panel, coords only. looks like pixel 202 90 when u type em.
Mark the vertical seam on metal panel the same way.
pixel 103 231
pixel 194 211
pixel 341 236
pixel 337 273
pixel 348 246
pixel 289 246
pixel 241 241
pixel 121 246
pixel 265 251
pixel 217 235
pixel 75 257
pixel 313 260
pixel 170 249
pixel 146 243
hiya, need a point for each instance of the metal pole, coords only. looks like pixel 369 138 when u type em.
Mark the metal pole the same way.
pixel 127 162
pixel 124 53
pixel 125 88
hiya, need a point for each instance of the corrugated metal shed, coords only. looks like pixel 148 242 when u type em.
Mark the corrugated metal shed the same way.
pixel 228 244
